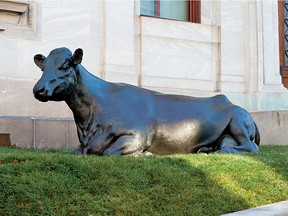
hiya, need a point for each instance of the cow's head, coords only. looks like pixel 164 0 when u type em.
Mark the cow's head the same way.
pixel 59 77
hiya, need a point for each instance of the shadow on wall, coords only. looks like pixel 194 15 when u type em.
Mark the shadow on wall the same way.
pixel 5 139
pixel 29 132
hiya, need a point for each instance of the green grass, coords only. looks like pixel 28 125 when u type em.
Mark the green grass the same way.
pixel 38 182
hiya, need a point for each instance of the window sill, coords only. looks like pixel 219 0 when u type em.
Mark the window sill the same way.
pixel 164 18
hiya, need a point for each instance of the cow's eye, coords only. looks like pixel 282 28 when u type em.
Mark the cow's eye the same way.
pixel 64 67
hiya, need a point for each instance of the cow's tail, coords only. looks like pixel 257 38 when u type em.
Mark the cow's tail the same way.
pixel 257 135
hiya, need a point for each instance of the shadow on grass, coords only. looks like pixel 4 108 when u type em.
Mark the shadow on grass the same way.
pixel 275 172
pixel 51 183
pixel 276 157
pixel 177 187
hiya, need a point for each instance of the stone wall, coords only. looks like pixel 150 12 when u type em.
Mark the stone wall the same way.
pixel 61 133
pixel 272 126
pixel 28 132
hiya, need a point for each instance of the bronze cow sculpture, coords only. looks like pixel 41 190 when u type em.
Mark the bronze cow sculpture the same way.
pixel 121 119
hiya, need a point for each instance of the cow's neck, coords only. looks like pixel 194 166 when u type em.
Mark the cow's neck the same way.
pixel 87 100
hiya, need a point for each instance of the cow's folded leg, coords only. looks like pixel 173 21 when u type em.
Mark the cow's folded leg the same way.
pixel 239 141
pixel 125 145
pixel 238 149
pixel 242 134
pixel 226 144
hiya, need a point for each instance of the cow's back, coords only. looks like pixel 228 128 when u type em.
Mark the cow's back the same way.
pixel 185 124
pixel 177 107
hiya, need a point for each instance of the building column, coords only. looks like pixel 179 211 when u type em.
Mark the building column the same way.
pixel 268 46
pixel 117 43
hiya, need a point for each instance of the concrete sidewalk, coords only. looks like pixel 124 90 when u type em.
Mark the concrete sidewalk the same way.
pixel 275 209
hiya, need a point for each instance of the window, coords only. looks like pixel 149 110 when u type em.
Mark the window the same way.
pixel 283 40
pixel 185 10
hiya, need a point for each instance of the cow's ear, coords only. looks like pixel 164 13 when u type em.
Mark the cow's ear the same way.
pixel 77 56
pixel 39 59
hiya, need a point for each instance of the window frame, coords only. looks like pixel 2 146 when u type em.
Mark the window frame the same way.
pixel 194 11
pixel 282 51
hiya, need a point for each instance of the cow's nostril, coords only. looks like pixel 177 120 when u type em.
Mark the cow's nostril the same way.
pixel 40 91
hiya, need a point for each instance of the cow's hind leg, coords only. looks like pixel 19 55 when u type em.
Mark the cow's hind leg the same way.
pixel 226 144
pixel 240 139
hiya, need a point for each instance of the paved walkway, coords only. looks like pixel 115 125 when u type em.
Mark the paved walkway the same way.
pixel 275 209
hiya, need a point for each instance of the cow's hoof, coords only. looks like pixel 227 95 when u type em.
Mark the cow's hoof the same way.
pixel 146 153
pixel 77 152
pixel 222 151
pixel 140 153
pixel 204 150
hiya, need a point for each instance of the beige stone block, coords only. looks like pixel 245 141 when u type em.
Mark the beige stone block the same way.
pixel 73 140
pixel 122 78
pixel 20 130
pixel 51 133
pixel 7 58
pixel 16 99
pixel 172 29
pixel 119 57
pixel 272 126
pixel 176 84
pixel 177 48
pixel 176 67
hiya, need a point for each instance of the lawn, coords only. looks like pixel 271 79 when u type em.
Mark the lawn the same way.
pixel 53 182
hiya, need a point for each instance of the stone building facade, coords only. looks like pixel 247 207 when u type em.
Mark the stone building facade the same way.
pixel 234 50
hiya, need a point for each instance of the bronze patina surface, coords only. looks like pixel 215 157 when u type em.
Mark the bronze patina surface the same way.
pixel 122 119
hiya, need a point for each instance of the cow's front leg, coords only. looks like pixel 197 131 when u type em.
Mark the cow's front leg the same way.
pixel 127 145
pixel 80 151
pixel 140 153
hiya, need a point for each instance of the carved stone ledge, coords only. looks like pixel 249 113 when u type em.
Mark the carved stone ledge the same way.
pixel 12 6
pixel 18 19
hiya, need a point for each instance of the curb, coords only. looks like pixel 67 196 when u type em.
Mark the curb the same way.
pixel 275 209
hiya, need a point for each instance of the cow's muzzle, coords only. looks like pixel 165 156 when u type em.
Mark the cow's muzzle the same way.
pixel 41 93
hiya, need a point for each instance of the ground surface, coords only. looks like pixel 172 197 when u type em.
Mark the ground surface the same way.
pixel 37 182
